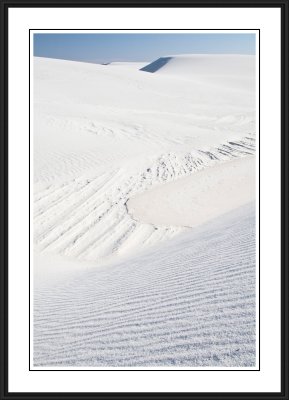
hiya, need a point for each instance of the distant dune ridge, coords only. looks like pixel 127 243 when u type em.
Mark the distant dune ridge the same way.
pixel 226 69
pixel 144 217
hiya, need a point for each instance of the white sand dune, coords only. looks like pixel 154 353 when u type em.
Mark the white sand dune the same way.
pixel 103 134
pixel 189 302
pixel 108 137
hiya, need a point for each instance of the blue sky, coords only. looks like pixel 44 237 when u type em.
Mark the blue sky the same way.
pixel 101 48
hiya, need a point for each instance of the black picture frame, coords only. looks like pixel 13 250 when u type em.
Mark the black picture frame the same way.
pixel 4 93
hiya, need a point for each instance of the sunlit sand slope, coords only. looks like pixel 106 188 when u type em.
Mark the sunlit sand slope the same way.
pixel 127 271
pixel 189 302
pixel 104 133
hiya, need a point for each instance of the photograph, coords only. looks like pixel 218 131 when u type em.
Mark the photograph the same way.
pixel 144 160
pixel 144 199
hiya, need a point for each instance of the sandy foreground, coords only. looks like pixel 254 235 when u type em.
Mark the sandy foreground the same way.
pixel 144 215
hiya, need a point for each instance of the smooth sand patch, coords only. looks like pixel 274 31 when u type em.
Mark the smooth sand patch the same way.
pixel 196 199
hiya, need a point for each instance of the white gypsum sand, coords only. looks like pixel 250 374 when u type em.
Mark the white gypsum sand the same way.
pixel 189 302
pixel 126 156
pixel 197 198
